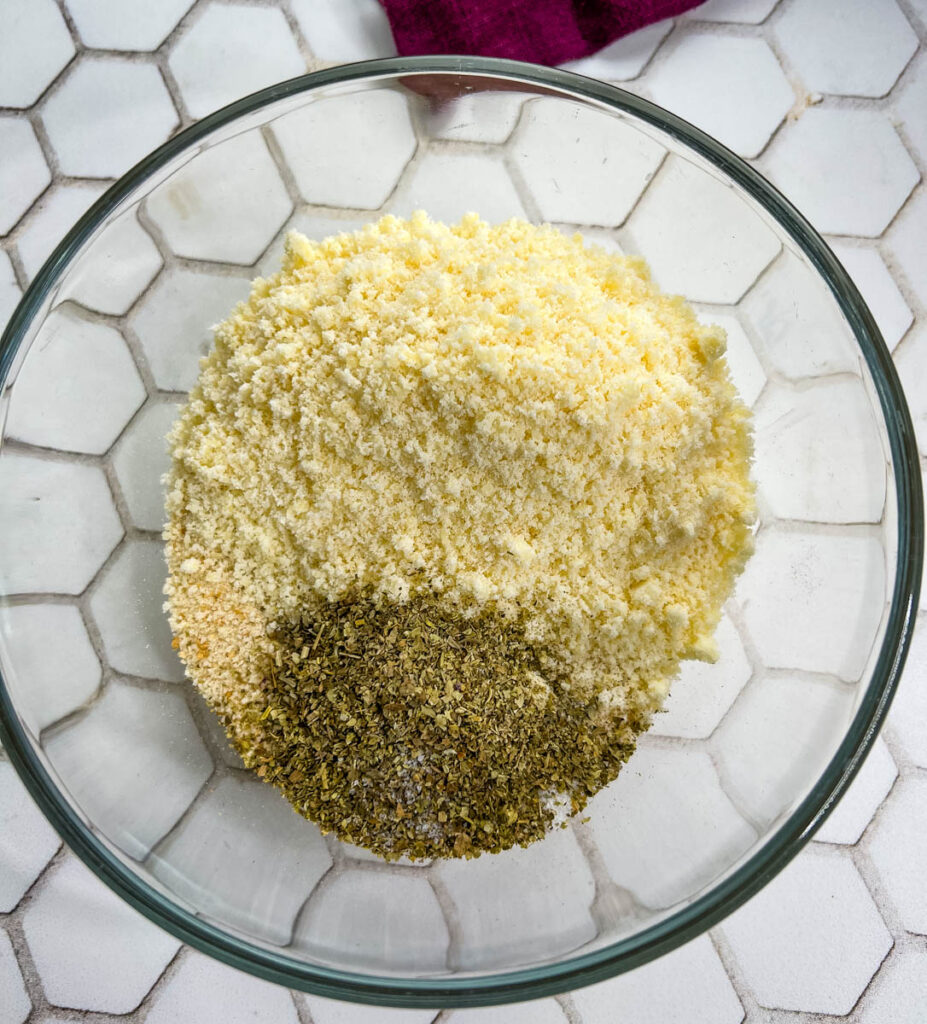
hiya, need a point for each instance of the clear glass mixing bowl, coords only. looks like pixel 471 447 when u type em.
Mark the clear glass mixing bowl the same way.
pixel 121 753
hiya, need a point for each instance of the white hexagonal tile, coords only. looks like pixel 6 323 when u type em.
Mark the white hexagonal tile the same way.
pixel 366 919
pixel 56 214
pixel 730 87
pixel 348 150
pixel 141 459
pixel 689 984
pixel 315 226
pixel 907 242
pixel 878 288
pixel 48 680
pixel 701 695
pixel 9 289
pixel 777 739
pixel 448 185
pixel 215 60
pixel 594 172
pixel 13 996
pixel 46 547
pixel 209 861
pixel 910 103
pixel 700 239
pixel 523 904
pixel 787 306
pixel 23 171
pixel 896 995
pixel 77 388
pixel 664 827
pixel 849 819
pixel 126 24
pixel 544 1011
pixel 358 853
pixel 858 153
pixel 328 1011
pixel 202 989
pixel 907 718
pixel 475 117
pixel 92 950
pixel 849 47
pixel 132 764
pixel 814 601
pixel 626 57
pixel 911 364
pixel 27 841
pixel 174 322
pixel 225 205
pixel 117 267
pixel 900 831
pixel 811 939
pixel 107 115
pixel 345 30
pixel 818 453
pixel 127 606
pixel 34 46
pixel 750 12
pixel 746 370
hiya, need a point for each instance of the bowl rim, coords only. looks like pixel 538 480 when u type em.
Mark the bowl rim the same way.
pixel 720 900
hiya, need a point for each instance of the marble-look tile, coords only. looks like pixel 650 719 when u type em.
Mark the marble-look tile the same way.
pixel 814 601
pixel 48 680
pixel 106 115
pixel 330 1011
pixel 896 995
pixel 818 453
pixel 348 151
pixel 488 117
pixel 907 718
pixel 790 305
pixel 115 269
pixel 126 24
pixel 93 951
pixel 910 104
pixel 701 695
pixel 583 166
pixel 858 153
pixel 730 87
pixel 132 764
pixel 141 459
pixel 544 1011
pixel 23 171
pixel 699 237
pixel 849 819
pixel 238 823
pixel 57 212
pixel 907 242
pixel 448 185
pixel 746 370
pixel 225 205
pixel 688 986
pixel 366 919
pixel 664 827
pixel 174 321
pixel 128 608
pixel 878 288
pixel 344 30
pixel 216 61
pixel 811 939
pixel 626 57
pixel 13 996
pixel 900 831
pixel 202 989
pixel 750 12
pixel 777 739
pixel 9 289
pixel 77 388
pixel 47 548
pixel 911 364
pixel 848 47
pixel 34 46
pixel 530 903
pixel 27 841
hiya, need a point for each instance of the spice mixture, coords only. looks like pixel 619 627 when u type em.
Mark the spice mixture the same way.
pixel 447 508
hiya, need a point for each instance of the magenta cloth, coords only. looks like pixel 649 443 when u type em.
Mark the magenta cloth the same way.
pixel 541 31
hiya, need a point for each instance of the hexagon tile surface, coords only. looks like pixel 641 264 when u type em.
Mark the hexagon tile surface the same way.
pixel 827 97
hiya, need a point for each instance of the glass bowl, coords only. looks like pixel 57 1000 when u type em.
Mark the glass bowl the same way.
pixel 732 780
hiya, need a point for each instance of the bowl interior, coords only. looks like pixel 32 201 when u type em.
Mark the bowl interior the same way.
pixel 86 651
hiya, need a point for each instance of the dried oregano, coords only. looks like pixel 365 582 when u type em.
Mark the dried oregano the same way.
pixel 415 730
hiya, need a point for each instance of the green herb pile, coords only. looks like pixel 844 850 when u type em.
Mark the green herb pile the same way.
pixel 413 730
